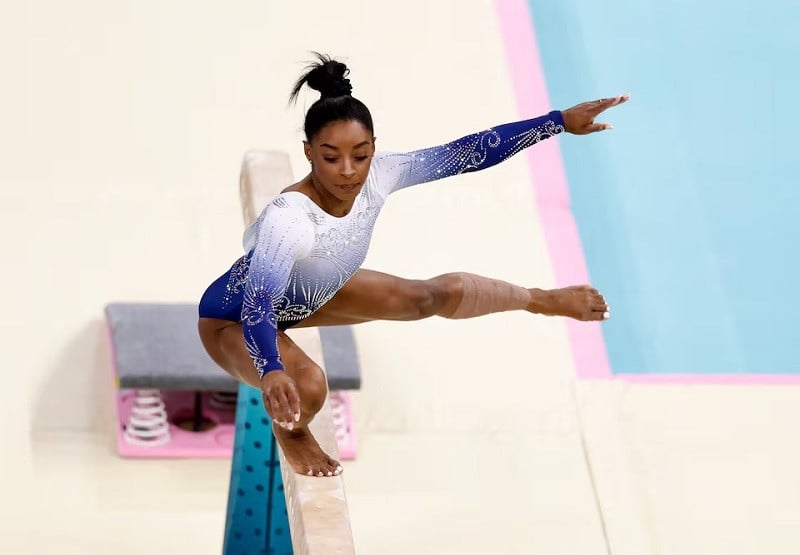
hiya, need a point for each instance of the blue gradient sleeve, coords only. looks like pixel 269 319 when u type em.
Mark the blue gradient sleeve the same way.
pixel 283 236
pixel 474 152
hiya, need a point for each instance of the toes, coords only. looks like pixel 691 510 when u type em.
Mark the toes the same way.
pixel 598 302
pixel 596 316
pixel 332 468
pixel 324 470
pixel 335 467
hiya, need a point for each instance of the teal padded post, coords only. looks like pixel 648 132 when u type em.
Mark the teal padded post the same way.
pixel 256 521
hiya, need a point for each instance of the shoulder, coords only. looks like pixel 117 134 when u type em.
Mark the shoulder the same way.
pixel 386 169
pixel 384 160
pixel 288 214
pixel 289 208
pixel 289 202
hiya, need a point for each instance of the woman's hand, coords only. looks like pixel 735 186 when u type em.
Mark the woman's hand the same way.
pixel 281 398
pixel 579 120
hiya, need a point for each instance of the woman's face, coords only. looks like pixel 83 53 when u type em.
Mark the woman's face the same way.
pixel 340 154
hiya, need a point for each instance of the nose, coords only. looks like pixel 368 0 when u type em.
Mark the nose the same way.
pixel 348 170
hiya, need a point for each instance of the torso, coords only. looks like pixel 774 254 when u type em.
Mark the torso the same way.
pixel 340 246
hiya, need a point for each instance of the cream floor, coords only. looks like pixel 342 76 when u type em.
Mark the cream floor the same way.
pixel 678 470
pixel 400 501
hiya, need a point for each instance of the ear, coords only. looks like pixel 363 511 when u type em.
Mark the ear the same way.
pixel 374 148
pixel 307 150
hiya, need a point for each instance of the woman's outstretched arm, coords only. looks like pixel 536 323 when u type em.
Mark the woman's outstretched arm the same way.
pixel 487 148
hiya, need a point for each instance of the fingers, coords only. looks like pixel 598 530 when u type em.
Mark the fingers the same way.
pixel 579 120
pixel 600 106
pixel 280 409
pixel 595 127
pixel 293 398
pixel 606 103
pixel 273 406
pixel 285 413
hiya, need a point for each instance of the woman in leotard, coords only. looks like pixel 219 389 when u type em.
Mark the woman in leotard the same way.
pixel 303 255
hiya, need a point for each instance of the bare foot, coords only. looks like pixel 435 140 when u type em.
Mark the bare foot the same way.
pixel 304 453
pixel 581 302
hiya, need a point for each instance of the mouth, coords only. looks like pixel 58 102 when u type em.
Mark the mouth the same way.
pixel 349 186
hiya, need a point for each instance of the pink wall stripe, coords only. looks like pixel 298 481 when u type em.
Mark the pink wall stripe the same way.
pixel 712 379
pixel 550 182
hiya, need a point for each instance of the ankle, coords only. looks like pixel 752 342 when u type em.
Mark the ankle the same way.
pixel 298 430
pixel 541 301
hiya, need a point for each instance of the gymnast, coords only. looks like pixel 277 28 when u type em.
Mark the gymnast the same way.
pixel 303 255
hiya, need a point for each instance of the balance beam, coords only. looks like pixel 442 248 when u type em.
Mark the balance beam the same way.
pixel 316 508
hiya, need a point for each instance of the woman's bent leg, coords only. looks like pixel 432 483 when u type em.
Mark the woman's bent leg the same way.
pixel 224 342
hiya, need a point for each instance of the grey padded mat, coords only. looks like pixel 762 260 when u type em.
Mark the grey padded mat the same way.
pixel 156 345
pixel 341 357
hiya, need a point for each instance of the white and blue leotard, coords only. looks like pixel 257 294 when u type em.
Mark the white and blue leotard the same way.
pixel 298 256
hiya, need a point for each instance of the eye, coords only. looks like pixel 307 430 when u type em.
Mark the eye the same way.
pixel 361 158
pixel 331 160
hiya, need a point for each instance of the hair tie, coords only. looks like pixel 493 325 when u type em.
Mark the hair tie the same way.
pixel 340 87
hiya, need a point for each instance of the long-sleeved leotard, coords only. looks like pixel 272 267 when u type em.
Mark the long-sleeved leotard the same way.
pixel 298 256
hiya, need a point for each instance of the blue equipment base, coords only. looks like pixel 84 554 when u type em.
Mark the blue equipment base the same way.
pixel 256 521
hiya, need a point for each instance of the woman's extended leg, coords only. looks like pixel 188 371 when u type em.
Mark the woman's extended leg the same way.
pixel 371 295
pixel 224 342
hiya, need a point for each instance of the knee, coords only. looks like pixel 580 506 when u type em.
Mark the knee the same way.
pixel 312 387
pixel 420 299
pixel 443 295
pixel 213 336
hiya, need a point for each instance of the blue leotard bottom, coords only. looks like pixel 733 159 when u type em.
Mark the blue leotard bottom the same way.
pixel 214 304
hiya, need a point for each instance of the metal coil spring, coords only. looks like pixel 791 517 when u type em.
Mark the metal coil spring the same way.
pixel 223 400
pixel 148 424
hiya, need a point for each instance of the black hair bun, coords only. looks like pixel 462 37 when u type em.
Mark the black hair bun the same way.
pixel 326 75
pixel 330 79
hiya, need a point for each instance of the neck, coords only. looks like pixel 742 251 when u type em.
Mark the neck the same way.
pixel 329 203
